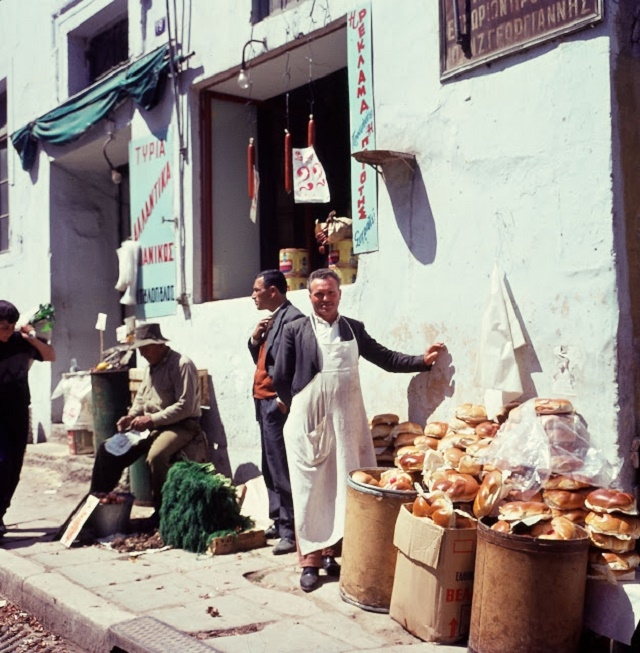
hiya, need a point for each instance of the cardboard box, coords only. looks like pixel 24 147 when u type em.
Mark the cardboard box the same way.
pixel 433 583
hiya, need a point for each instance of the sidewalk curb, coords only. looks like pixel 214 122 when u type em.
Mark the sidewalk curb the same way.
pixel 60 605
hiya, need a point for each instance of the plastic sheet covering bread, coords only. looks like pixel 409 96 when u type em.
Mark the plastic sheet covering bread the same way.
pixel 535 447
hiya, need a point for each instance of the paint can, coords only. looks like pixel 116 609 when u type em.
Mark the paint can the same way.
pixel 346 275
pixel 341 254
pixel 294 261
pixel 295 281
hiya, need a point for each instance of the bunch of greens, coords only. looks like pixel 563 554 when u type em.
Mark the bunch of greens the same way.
pixel 43 318
pixel 198 504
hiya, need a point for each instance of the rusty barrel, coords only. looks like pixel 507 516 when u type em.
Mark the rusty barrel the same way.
pixel 528 593
pixel 368 554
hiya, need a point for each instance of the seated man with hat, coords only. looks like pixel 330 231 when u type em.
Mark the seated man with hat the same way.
pixel 167 404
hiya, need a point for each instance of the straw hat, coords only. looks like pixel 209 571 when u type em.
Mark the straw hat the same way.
pixel 148 334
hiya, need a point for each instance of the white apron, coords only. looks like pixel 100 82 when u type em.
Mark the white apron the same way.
pixel 327 436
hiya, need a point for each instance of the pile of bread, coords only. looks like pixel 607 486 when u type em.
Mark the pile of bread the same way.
pixel 456 486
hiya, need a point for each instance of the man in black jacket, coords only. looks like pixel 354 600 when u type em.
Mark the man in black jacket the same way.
pixel 270 293
pixel 327 432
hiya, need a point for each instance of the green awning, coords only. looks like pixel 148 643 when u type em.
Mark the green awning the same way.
pixel 142 81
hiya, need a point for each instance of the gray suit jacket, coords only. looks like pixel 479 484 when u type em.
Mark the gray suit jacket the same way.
pixel 298 359
pixel 285 314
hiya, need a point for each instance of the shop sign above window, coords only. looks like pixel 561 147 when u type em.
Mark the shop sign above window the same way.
pixel 475 32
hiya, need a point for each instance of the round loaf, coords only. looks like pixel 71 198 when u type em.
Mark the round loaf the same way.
pixel 565 499
pixel 577 516
pixel 562 529
pixel 559 430
pixel 469 465
pixel 489 494
pixel 502 526
pixel 360 476
pixel 408 427
pixel 621 561
pixel 518 510
pixel 471 413
pixel 412 462
pixel 609 500
pixel 426 442
pixel 452 456
pixel 565 463
pixel 396 479
pixel 611 542
pixel 552 406
pixel 403 439
pixel 559 482
pixel 487 429
pixel 460 487
pixel 622 526
pixel 382 431
pixel 385 418
pixel 436 429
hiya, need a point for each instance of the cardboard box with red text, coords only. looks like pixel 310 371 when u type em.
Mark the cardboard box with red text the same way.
pixel 433 583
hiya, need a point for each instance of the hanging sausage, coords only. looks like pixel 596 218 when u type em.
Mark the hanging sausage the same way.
pixel 251 161
pixel 288 153
pixel 311 132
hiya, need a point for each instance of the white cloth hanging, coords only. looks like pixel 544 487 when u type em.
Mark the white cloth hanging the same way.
pixel 497 370
pixel 128 254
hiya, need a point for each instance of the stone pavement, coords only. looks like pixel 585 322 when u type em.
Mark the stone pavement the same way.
pixel 172 601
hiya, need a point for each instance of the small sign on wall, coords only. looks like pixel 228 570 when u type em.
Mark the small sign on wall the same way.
pixel 477 32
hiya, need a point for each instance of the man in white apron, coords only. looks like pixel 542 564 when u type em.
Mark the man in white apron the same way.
pixel 327 433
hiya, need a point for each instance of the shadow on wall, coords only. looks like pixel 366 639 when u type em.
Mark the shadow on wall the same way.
pixel 216 436
pixel 428 390
pixel 411 209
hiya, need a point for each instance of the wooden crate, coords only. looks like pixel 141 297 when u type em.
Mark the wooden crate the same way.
pixel 136 374
pixel 234 543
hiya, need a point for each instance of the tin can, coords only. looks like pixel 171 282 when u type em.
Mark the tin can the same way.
pixel 294 261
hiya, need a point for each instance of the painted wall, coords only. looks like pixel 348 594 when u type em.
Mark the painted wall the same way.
pixel 514 167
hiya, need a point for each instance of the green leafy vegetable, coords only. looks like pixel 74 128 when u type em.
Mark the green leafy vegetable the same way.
pixel 198 504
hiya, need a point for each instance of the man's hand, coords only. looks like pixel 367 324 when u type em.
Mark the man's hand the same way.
pixel 261 329
pixel 282 407
pixel 432 353
pixel 124 422
pixel 142 423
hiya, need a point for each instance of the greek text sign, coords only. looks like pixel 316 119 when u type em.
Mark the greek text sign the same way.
pixel 364 184
pixel 153 224
pixel 474 32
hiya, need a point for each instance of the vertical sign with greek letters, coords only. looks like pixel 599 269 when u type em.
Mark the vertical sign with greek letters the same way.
pixel 153 223
pixel 364 183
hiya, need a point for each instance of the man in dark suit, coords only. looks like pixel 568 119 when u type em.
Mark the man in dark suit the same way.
pixel 270 293
pixel 327 432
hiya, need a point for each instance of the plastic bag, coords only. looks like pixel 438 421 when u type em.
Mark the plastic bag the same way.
pixel 534 447
pixel 77 412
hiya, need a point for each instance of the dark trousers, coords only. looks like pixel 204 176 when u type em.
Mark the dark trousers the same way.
pixel 160 449
pixel 274 466
pixel 14 430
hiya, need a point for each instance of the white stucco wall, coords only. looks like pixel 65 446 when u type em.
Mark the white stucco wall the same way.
pixel 514 165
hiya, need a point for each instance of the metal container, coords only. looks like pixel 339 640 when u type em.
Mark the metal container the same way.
pixel 368 554
pixel 294 261
pixel 528 593
pixel 111 400
pixel 140 482
pixel 341 254
pixel 111 518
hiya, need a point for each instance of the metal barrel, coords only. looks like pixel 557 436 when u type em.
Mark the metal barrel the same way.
pixel 368 554
pixel 111 400
pixel 528 594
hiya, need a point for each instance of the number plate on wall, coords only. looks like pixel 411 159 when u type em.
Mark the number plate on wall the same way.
pixel 475 32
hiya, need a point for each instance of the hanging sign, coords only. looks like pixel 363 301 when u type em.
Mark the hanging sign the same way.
pixel 309 179
pixel 474 33
pixel 153 224
pixel 364 183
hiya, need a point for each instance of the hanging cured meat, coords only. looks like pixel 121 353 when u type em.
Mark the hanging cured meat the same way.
pixel 251 161
pixel 311 132
pixel 288 179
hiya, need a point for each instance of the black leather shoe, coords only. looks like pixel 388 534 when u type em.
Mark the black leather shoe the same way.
pixel 309 579
pixel 284 546
pixel 272 532
pixel 330 565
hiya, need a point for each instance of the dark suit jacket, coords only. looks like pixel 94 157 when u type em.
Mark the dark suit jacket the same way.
pixel 285 314
pixel 298 358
